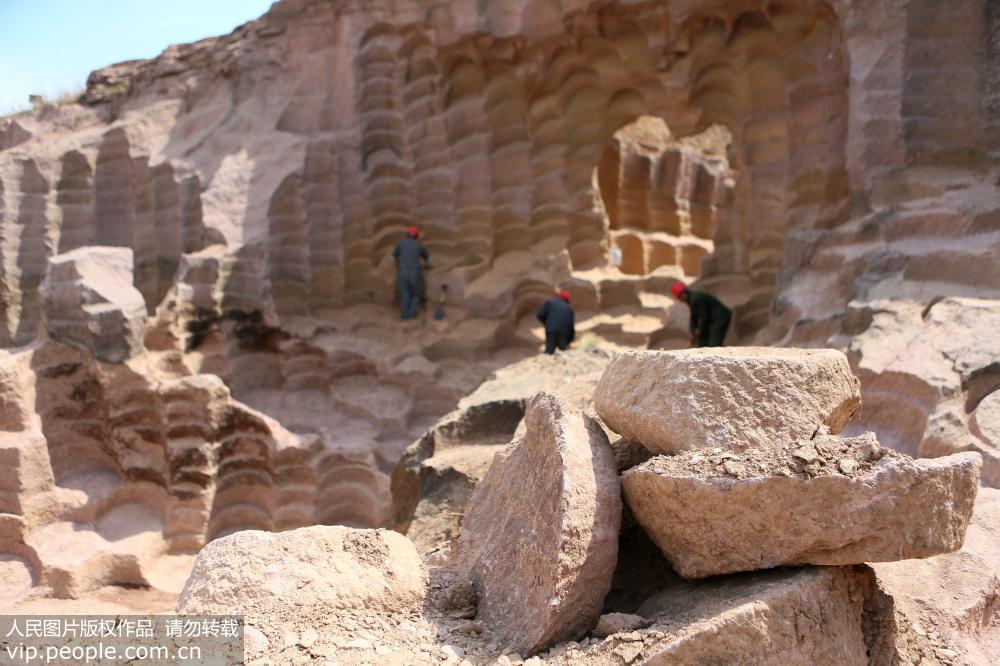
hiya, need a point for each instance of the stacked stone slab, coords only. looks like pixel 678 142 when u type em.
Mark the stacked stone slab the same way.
pixel 732 398
pixel 760 478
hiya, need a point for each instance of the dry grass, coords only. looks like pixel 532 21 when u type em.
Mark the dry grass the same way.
pixel 61 98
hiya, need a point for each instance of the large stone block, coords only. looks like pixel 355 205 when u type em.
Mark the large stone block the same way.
pixel 266 573
pixel 540 535
pixel 90 302
pixel 784 616
pixel 828 501
pixel 436 475
pixel 731 398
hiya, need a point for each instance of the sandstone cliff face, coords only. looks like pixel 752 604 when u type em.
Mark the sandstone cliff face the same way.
pixel 308 140
pixel 829 169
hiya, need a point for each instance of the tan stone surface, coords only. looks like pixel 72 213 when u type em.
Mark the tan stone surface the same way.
pixel 90 302
pixel 664 196
pixel 117 473
pixel 863 186
pixel 497 159
pixel 732 398
pixel 741 515
pixel 331 567
pixel 810 615
pixel 260 178
pixel 948 602
pixel 614 623
pixel 791 615
pixel 547 511
pixel 935 397
pixel 986 419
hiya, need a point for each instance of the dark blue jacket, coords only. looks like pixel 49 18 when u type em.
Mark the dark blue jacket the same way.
pixel 557 316
pixel 408 254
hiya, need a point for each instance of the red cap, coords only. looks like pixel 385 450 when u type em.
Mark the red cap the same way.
pixel 563 294
pixel 412 231
pixel 677 288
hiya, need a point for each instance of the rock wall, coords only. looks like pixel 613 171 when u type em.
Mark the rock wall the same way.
pixel 663 197
pixel 308 140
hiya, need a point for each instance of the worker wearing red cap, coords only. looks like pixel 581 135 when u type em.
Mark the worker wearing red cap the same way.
pixel 709 317
pixel 559 320
pixel 409 282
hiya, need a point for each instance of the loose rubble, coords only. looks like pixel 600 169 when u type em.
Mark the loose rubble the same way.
pixel 552 496
pixel 436 475
pixel 615 623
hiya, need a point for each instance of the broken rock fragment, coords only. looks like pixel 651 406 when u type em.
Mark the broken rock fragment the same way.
pixel 614 623
pixel 726 512
pixel 540 535
pixel 90 302
pixel 259 573
pixel 952 595
pixel 732 398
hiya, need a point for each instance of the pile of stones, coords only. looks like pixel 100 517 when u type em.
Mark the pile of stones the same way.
pixel 745 470
pixel 732 466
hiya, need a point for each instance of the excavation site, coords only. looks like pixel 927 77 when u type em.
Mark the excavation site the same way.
pixel 517 332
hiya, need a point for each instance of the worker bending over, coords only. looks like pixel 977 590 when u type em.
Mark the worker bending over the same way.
pixel 559 320
pixel 709 317
pixel 409 282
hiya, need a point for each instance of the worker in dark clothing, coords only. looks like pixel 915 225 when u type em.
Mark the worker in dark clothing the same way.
pixel 409 282
pixel 709 317
pixel 559 320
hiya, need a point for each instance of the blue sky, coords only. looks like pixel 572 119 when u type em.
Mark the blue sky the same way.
pixel 49 47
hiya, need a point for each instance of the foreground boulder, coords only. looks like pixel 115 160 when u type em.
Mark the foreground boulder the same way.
pixel 90 302
pixel 826 501
pixel 730 398
pixel 332 567
pixel 540 534
pixel 433 480
pixel 810 615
